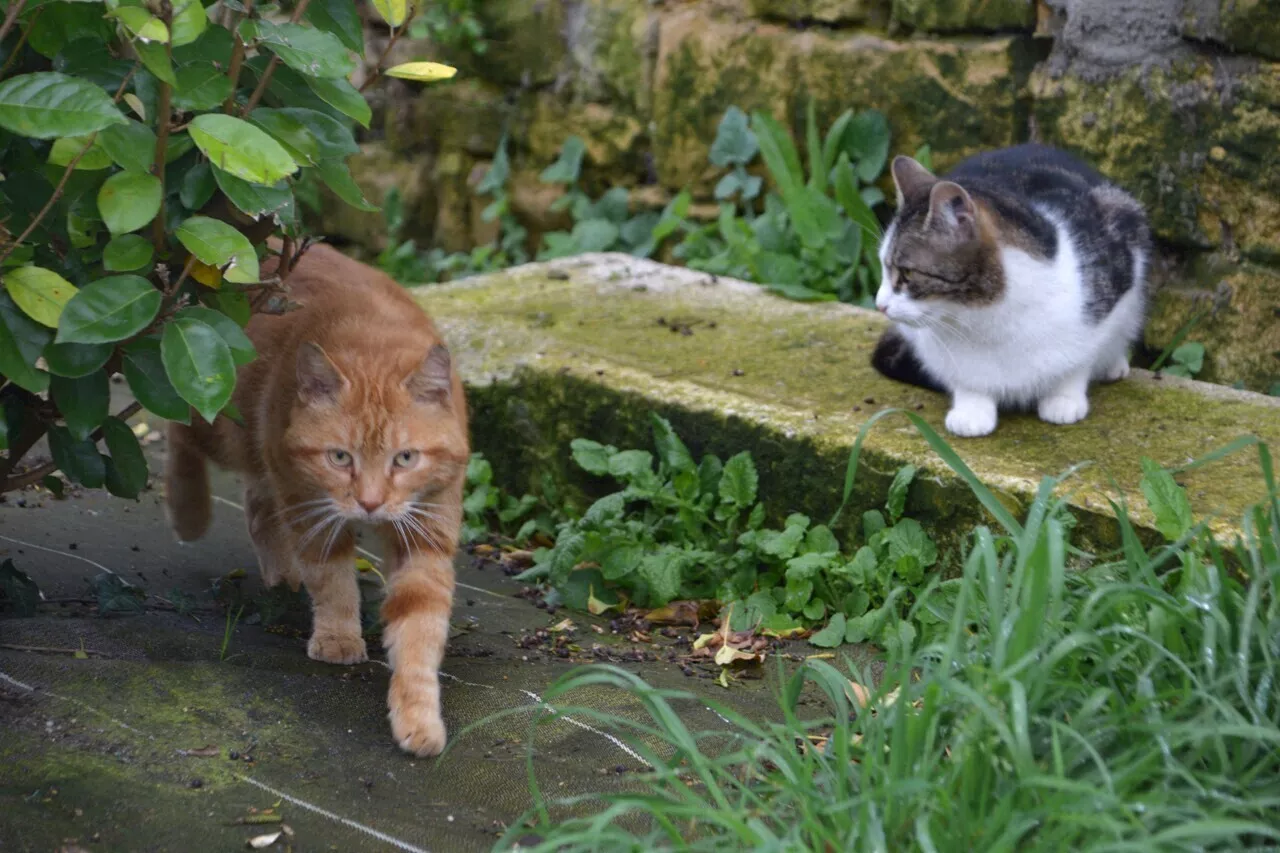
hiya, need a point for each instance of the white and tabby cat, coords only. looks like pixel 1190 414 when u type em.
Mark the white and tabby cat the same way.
pixel 1012 281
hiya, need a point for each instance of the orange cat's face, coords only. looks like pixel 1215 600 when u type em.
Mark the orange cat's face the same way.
pixel 376 441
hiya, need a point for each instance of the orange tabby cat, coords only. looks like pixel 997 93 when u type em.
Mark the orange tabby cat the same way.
pixel 352 414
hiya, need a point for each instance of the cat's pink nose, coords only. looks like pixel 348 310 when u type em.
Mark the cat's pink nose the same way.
pixel 369 506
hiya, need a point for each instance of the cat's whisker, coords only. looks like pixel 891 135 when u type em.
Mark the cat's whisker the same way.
pixel 332 537
pixel 318 528
pixel 311 508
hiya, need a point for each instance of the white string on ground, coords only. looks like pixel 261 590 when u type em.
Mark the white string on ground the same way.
pixel 614 740
pixel 370 556
pixel 56 551
pixel 27 687
pixel 323 812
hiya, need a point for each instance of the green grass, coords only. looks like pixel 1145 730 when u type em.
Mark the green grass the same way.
pixel 1129 706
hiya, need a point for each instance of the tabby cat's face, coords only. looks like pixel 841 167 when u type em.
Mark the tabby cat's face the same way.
pixel 937 258
pixel 376 443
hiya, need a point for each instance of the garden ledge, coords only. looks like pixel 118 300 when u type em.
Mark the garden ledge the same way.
pixel 589 346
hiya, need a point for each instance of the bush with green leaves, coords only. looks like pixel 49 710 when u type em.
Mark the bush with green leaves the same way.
pixel 148 151
pixel 488 510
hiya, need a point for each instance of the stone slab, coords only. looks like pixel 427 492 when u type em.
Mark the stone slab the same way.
pixel 590 346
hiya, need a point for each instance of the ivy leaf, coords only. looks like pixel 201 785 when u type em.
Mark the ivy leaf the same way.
pixel 591 456
pixel 568 166
pixel 735 144
pixel 199 364
pixel 47 105
pixel 109 310
pixel 83 402
pixel 145 373
pixel 41 294
pixel 127 252
pixel 831 636
pixel 218 244
pixel 739 481
pixel 1167 500
pixel 671 450
pixel 238 148
pixel 127 466
pixel 897 500
pixel 129 200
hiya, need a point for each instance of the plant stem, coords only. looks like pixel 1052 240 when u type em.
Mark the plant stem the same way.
pixel 261 88
pixel 17 48
pixel 37 474
pixel 237 58
pixel 12 18
pixel 395 37
pixel 53 199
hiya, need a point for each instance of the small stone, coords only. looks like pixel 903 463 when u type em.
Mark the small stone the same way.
pixel 1217 153
pixel 196 783
pixel 233 755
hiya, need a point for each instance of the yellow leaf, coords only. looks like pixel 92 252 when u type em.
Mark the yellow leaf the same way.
pixel 135 104
pixel 702 640
pixel 40 293
pixel 596 607
pixel 209 276
pixel 141 428
pixel 423 72
pixel 562 626
pixel 392 11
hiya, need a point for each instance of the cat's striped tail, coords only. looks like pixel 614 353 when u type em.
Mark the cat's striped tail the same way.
pixel 186 479
pixel 894 358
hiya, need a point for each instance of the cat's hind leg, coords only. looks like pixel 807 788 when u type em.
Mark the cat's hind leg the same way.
pixel 188 504
pixel 328 570
pixel 1112 365
pixel 1068 403
pixel 268 532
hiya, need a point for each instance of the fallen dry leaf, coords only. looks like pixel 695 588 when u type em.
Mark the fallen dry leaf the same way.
pixel 484 550
pixel 258 842
pixel 595 606
pixel 788 634
pixel 691 613
pixel 563 625
pixel 208 751
pixel 729 655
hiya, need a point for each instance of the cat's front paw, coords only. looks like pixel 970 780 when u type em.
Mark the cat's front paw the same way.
pixel 971 421
pixel 1064 409
pixel 418 728
pixel 337 648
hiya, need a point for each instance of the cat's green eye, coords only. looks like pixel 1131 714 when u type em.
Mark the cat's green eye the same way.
pixel 405 458
pixel 339 458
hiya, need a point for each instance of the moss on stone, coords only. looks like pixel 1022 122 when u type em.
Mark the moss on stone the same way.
pixel 526 43
pixel 466 115
pixel 960 15
pixel 615 140
pixel 825 11
pixel 548 360
pixel 613 45
pixel 1239 324
pixel 1197 142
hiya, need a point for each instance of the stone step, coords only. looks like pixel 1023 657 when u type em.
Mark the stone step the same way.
pixel 590 346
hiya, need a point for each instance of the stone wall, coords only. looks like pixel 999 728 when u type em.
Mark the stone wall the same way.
pixel 1177 100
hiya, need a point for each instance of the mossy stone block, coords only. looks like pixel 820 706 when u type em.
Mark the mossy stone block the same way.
pixel 613 47
pixel 377 170
pixel 965 15
pixel 823 11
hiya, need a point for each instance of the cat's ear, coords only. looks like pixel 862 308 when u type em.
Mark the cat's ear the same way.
pixel 432 382
pixel 951 207
pixel 910 177
pixel 319 379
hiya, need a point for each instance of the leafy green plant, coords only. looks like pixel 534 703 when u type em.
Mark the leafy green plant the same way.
pixel 695 530
pixel 1114 708
pixel 1186 360
pixel 488 509
pixel 451 23
pixel 816 237
pixel 148 152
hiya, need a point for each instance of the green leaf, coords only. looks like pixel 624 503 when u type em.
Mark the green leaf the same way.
pixel 820 540
pixel 199 364
pixel 83 402
pixel 218 244
pixel 144 371
pixel 341 18
pixel 911 551
pixel 18 591
pixel 671 450
pixel 67 148
pixel 867 142
pixel 924 156
pixel 131 145
pixel 1167 500
pixel 126 253
pixel 234 305
pixel 621 561
pixel 392 11
pixel 739 480
pixel 258 201
pixel 1190 356
pixel 129 200
pixel 296 138
pixel 343 97
pixel 240 149
pixel 807 566
pixel 141 23
pixel 851 200
pixel 568 166
pixel 41 294
pixel 21 342
pixel 735 144
pixel 242 350
pixel 189 22
pixel 127 466
pixel 630 466
pixel 79 460
pixel 832 635
pixel 155 58
pixel 897 500
pixel 198 186
pixel 663 574
pixel 76 360
pixel 591 456
pixel 200 85
pixel 109 310
pixel 63 26
pixel 336 175
pixel 332 137
pixel 594 235
pixel 307 50
pixel 47 105
pixel 861 569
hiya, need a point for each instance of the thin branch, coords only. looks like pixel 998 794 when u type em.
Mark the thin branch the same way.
pixel 237 56
pixel 12 18
pixel 17 49
pixel 261 88
pixel 49 650
pixel 38 473
pixel 53 199
pixel 382 57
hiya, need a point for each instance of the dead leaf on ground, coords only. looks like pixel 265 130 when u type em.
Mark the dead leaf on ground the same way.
pixel 562 626
pixel 691 613
pixel 727 655
pixel 595 606
pixel 207 751
pixel 517 559
pixel 258 842
pixel 484 550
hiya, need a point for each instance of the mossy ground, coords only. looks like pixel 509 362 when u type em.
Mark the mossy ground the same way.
pixel 586 347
